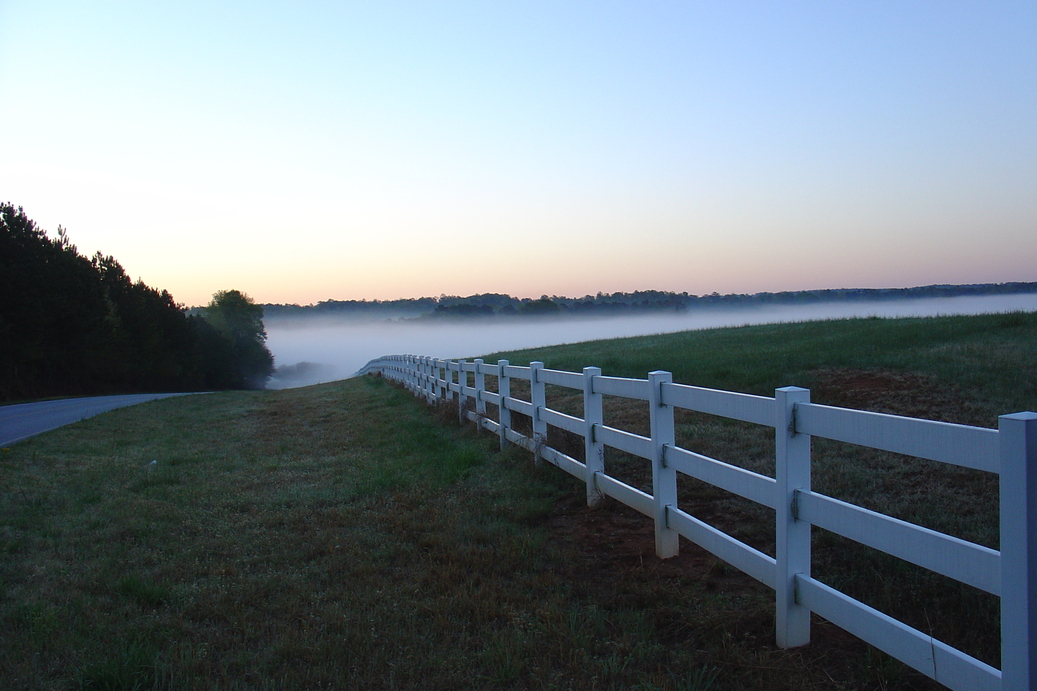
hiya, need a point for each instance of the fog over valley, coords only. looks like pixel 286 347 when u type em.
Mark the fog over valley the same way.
pixel 309 350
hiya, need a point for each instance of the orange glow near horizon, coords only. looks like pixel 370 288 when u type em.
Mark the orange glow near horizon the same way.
pixel 679 147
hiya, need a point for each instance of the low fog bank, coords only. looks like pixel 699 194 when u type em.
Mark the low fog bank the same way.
pixel 310 351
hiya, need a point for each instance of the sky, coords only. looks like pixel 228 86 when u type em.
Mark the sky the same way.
pixel 304 151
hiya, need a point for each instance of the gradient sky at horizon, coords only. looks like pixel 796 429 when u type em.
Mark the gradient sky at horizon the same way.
pixel 307 151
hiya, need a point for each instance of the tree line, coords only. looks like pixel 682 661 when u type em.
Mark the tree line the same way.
pixel 500 305
pixel 72 325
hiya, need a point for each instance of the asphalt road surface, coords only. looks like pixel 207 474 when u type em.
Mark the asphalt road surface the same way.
pixel 24 420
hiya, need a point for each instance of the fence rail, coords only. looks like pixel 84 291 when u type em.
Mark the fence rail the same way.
pixel 1009 451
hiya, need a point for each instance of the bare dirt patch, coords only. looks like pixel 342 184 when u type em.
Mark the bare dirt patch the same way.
pixel 613 541
pixel 894 392
pixel 616 564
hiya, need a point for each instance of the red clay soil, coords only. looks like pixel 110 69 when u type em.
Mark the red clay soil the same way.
pixel 616 548
pixel 614 543
pixel 615 537
pixel 614 540
pixel 894 392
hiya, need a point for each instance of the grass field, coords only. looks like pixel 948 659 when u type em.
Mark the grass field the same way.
pixel 347 536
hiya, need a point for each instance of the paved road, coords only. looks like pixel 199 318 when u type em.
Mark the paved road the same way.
pixel 24 420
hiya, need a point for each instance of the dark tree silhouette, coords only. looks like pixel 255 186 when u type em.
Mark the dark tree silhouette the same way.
pixel 236 317
pixel 72 325
pixel 51 307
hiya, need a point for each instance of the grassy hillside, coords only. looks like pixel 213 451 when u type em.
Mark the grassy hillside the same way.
pixel 990 359
pixel 965 370
pixel 346 536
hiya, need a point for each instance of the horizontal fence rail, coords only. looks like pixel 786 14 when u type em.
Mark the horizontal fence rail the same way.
pixel 1009 451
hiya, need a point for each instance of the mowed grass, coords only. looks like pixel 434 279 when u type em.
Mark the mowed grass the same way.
pixel 335 536
pixel 347 536
pixel 340 536
pixel 964 370
pixel 991 359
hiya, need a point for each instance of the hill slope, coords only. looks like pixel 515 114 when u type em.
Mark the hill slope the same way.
pixel 345 535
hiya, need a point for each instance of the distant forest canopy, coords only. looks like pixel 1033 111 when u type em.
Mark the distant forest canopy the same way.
pixel 499 305
pixel 70 325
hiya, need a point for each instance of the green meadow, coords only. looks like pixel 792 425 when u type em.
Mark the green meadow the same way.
pixel 347 536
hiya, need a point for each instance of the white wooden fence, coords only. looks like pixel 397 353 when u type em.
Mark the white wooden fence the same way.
pixel 1010 450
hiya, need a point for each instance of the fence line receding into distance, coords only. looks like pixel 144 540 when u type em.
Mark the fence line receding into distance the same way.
pixel 1010 451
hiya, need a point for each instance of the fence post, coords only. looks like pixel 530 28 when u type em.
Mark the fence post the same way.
pixel 664 479
pixel 448 375
pixel 437 366
pixel 593 450
pixel 1017 438
pixel 419 369
pixel 538 397
pixel 792 551
pixel 433 389
pixel 480 386
pixel 503 412
pixel 430 391
pixel 462 398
